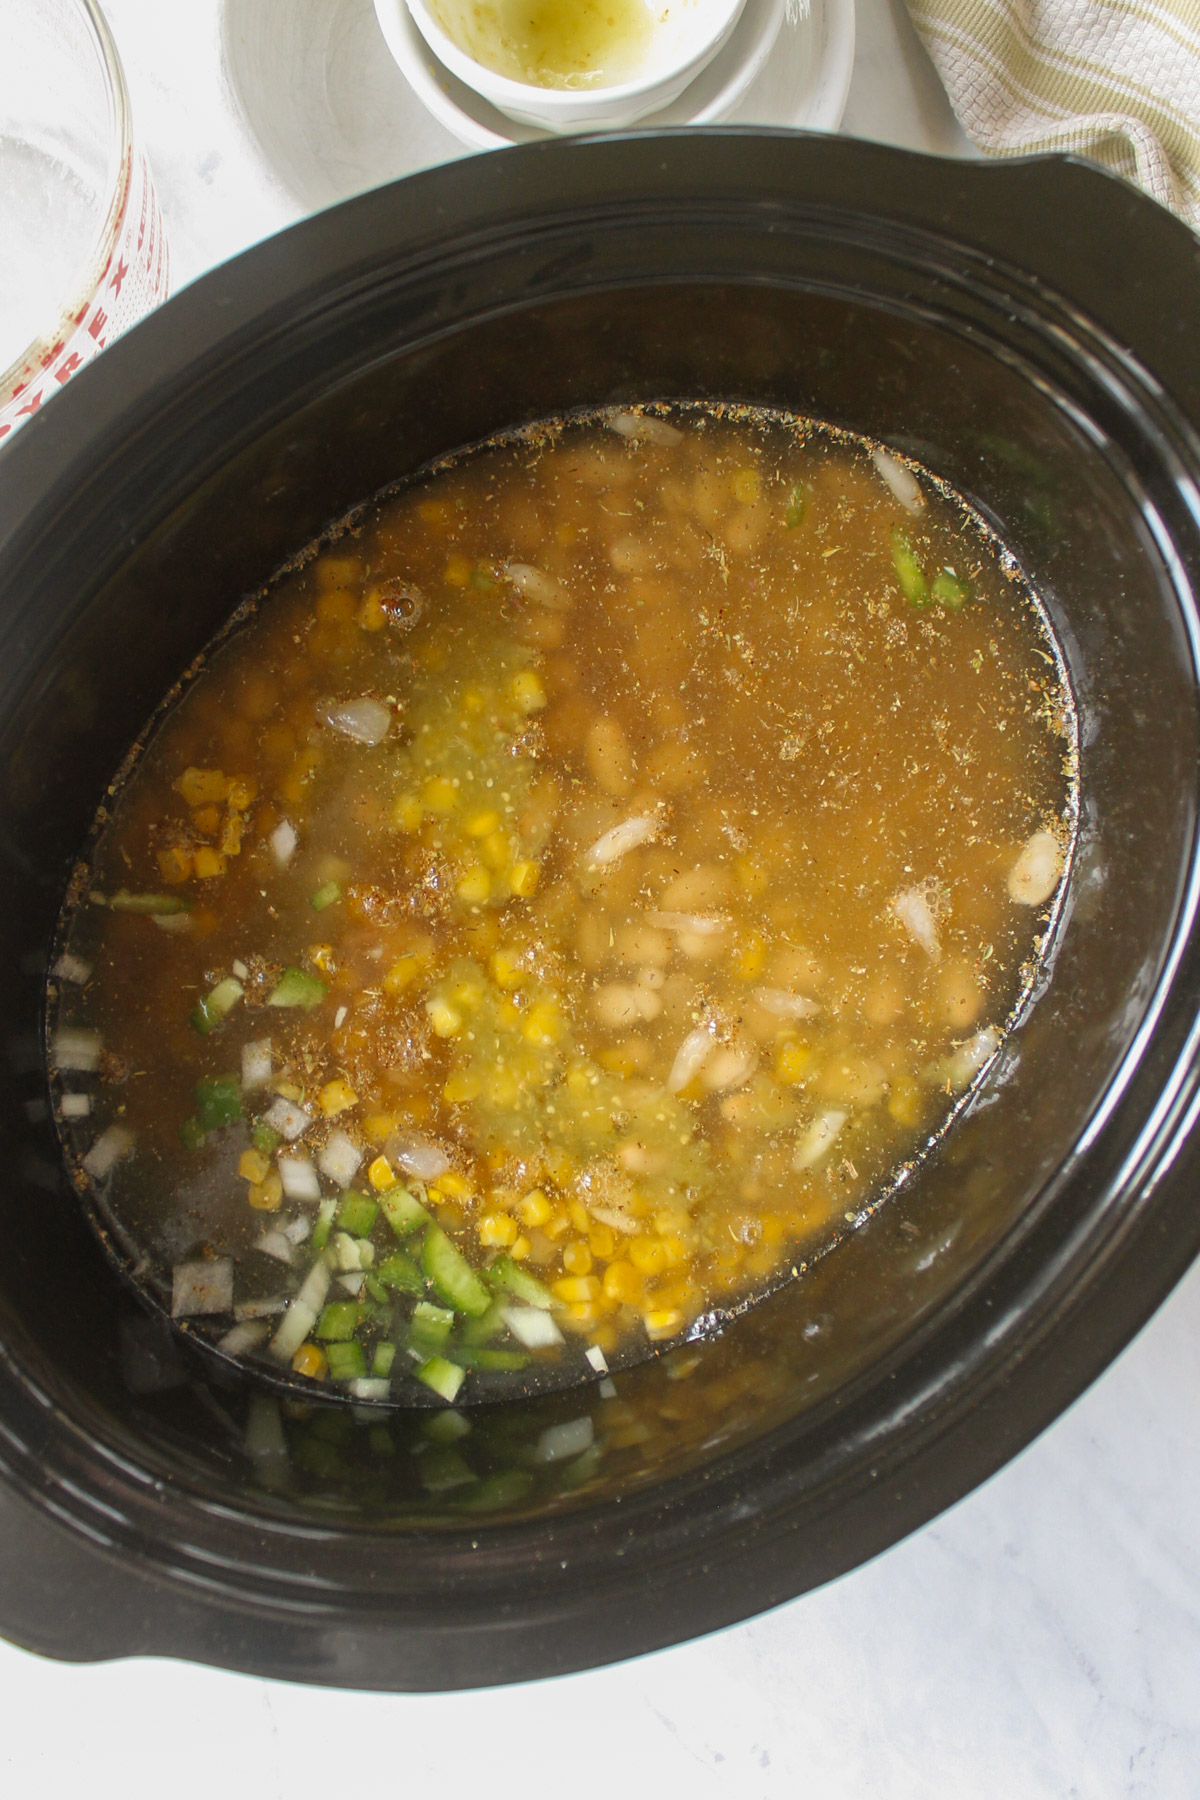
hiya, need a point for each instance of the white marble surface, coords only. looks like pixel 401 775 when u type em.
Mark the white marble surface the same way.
pixel 1040 1641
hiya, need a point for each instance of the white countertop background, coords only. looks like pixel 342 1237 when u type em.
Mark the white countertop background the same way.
pixel 1039 1641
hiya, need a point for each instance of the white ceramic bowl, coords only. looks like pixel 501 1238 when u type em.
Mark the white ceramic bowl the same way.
pixel 688 36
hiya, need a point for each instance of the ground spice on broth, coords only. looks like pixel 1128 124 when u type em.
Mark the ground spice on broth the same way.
pixel 565 902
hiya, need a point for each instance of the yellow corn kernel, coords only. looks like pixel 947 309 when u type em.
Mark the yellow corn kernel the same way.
pixel 370 615
pixel 602 1241
pixel 266 1196
pixel 663 1322
pixel 543 1024
pixel 458 570
pixel 378 1126
pixel 253 1166
pixel 622 1283
pixel 242 792
pixel 446 1020
pixel 380 1175
pixel 440 794
pixel 208 863
pixel 751 876
pixel 455 1186
pixel 747 486
pixel 495 850
pixel 535 1208
pixel 402 974
pixel 523 878
pixel 474 887
pixel 904 1101
pixel 460 1088
pixel 206 819
pixel 649 1255
pixel 617 1060
pixel 436 512
pixel 335 606
pixel 497 1231
pixel 580 1317
pixel 336 1097
pixel 577 1213
pixel 520 1248
pixel 479 824
pixel 231 835
pixel 200 787
pixel 558 1227
pixel 576 1290
pixel 577 1258
pixel 310 1360
pixel 751 956
pixel 406 812
pixel 506 969
pixel 503 1089
pixel 528 693
pixel 288 1090
pixel 793 1061
pixel 321 957
pixel 174 864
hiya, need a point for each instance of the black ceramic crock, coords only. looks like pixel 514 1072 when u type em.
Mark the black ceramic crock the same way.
pixel 1028 331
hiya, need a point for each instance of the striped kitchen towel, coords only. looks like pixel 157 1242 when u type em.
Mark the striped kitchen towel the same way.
pixel 1115 80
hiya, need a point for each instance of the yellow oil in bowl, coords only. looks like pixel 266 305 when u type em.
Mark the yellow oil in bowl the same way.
pixel 553 43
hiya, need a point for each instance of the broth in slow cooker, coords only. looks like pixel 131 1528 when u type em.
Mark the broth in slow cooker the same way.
pixel 565 904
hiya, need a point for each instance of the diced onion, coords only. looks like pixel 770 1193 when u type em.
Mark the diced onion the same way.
pixel 301 1315
pixel 238 968
pixel 419 1157
pixel 353 1282
pixel 559 1441
pixel 351 1252
pixel 76 1049
pixel 691 1057
pixel 900 479
pixel 72 968
pixel 644 425
pixel 965 1062
pixel 110 1148
pixel 531 1326
pixel 628 835
pixel 265 1439
pixel 536 585
pixel 366 721
pixel 818 1140
pixel 785 1005
pixel 298 1230
pixel 288 1119
pixel 260 1309
pixel 202 1287
pixel 299 1178
pixel 1034 876
pixel 283 841
pixel 339 1158
pixel 256 1063
pixel 913 911
pixel 75 1106
pixel 370 1387
pixel 276 1244
pixel 242 1337
pixel 595 1355
pixel 697 924
pixel 607 1389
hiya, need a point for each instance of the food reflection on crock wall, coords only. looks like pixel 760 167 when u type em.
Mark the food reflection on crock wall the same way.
pixel 565 903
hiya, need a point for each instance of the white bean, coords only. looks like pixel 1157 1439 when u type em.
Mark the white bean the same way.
pixel 1034 876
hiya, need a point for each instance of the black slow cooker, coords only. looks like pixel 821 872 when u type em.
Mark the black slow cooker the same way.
pixel 1029 332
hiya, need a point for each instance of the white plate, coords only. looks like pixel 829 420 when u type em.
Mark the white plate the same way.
pixel 332 115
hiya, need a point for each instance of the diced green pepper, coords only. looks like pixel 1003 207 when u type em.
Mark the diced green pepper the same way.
pixel 296 987
pixel 356 1213
pixel 451 1275
pixel 325 896
pixel 161 904
pixel 431 1325
pixel 346 1361
pixel 338 1320
pixel 383 1358
pixel 324 1224
pixel 443 1468
pixel 909 573
pixel 950 590
pixel 216 1006
pixel 500 1361
pixel 446 1427
pixel 510 1278
pixel 192 1134
pixel 483 1329
pixel 401 1272
pixel 443 1376
pixel 265 1138
pixel 794 515
pixel 218 1101
pixel 376 1289
pixel 402 1211
pixel 507 1487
